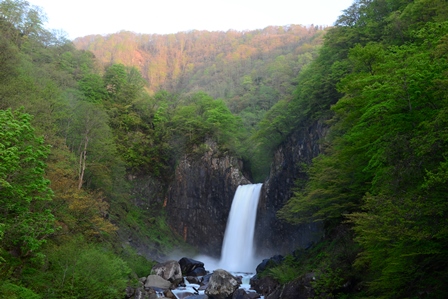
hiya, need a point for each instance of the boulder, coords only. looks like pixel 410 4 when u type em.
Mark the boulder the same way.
pixel 240 294
pixel 168 294
pixel 156 281
pixel 187 265
pixel 270 263
pixel 170 271
pixel 129 292
pixel 221 285
pixel 193 279
pixel 141 293
pixel 204 281
pixel 199 271
pixel 253 295
pixel 142 280
pixel 197 297
pixel 300 288
pixel 264 286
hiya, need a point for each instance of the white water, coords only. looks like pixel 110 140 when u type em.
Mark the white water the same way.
pixel 237 254
pixel 237 249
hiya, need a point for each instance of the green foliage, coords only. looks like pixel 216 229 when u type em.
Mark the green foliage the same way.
pixel 327 266
pixel 81 270
pixel 12 291
pixel 379 81
pixel 48 233
pixel 92 87
pixel 23 20
pixel 201 118
pixel 139 265
pixel 271 131
pixel 384 169
pixel 287 271
pixel 26 221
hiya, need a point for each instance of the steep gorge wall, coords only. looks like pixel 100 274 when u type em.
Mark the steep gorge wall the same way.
pixel 273 235
pixel 200 197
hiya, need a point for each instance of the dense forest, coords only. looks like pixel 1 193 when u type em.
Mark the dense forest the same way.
pixel 78 118
pixel 380 186
pixel 250 71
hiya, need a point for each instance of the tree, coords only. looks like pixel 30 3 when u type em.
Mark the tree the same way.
pixel 90 137
pixel 25 219
pixel 78 269
pixel 93 88
pixel 23 21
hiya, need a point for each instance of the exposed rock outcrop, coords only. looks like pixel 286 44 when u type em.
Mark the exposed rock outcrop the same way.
pixel 272 234
pixel 200 197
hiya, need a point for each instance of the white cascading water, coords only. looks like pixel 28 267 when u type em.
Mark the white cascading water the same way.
pixel 237 249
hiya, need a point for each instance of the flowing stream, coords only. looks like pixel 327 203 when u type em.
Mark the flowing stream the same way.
pixel 237 253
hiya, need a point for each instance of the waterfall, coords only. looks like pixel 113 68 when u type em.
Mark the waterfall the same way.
pixel 237 249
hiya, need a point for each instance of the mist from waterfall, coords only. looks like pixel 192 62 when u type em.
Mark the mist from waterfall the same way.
pixel 238 252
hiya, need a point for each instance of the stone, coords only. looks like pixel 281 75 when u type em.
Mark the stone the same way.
pixel 193 279
pixel 148 293
pixel 157 282
pixel 170 271
pixel 142 280
pixel 269 263
pixel 197 297
pixel 204 281
pixel 169 294
pixel 264 286
pixel 129 292
pixel 199 271
pixel 253 295
pixel 300 288
pixel 221 285
pixel 188 264
pixel 240 294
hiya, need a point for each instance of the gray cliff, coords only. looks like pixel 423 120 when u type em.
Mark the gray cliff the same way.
pixel 275 236
pixel 200 197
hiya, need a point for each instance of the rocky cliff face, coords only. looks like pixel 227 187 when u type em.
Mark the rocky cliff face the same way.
pixel 200 197
pixel 274 235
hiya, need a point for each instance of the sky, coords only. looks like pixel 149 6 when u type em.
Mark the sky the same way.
pixel 84 17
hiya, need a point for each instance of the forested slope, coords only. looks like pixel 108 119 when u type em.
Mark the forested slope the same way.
pixel 380 187
pixel 250 70
pixel 222 64
pixel 71 133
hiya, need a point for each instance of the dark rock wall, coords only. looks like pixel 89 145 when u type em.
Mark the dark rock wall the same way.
pixel 273 235
pixel 200 197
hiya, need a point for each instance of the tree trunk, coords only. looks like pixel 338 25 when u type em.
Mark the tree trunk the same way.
pixel 82 162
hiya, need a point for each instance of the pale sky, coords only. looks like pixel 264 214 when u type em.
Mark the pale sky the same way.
pixel 84 17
